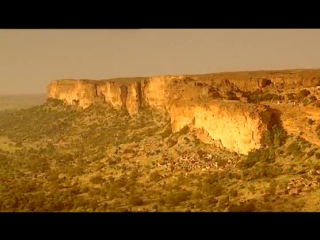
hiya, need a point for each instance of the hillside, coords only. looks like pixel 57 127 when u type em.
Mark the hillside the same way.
pixel 192 143
pixel 235 102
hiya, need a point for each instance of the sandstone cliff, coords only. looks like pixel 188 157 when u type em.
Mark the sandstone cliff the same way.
pixel 192 100
pixel 238 127
pixel 130 95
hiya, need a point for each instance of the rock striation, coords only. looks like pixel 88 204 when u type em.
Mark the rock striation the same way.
pixel 195 100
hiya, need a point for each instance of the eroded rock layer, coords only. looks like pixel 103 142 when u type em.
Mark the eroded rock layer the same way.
pixel 237 126
pixel 195 100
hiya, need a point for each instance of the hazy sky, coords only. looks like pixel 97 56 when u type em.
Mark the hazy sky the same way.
pixel 30 59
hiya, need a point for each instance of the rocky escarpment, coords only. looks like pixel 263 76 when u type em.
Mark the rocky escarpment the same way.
pixel 130 95
pixel 234 125
pixel 192 100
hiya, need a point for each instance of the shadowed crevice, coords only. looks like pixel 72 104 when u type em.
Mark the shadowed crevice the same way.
pixel 124 94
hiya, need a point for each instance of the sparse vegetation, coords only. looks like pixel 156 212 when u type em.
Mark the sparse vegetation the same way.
pixel 102 160
pixel 294 149
pixel 275 137
pixel 231 96
pixel 270 96
pixel 254 97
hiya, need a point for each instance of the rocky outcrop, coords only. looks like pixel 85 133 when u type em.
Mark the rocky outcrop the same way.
pixel 110 92
pixel 192 100
pixel 237 126
pixel 130 95
pixel 80 92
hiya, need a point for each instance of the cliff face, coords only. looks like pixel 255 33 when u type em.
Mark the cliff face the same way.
pixel 191 100
pixel 80 92
pixel 86 92
pixel 237 126
pixel 151 92
pixel 156 91
pixel 110 92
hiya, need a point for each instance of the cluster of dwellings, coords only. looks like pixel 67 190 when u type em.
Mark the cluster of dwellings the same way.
pixel 191 162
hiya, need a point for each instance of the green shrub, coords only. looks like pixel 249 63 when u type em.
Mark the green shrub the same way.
pixel 279 136
pixel 172 142
pixel 230 175
pixel 291 96
pixel 254 98
pixel 128 150
pixel 294 149
pixel 135 201
pixel 233 193
pixel 211 179
pixel 252 188
pixel 196 142
pixel 184 130
pixel 155 176
pixel 214 189
pixel 161 201
pixel 267 138
pixel 316 167
pixel 271 190
pixel 231 96
pixel 201 153
pixel 224 201
pixel 246 207
pixel 196 195
pixel 269 96
pixel 212 200
pixel 302 94
pixel 175 198
pixel 271 155
pixel 311 153
pixel 236 176
pixel 276 136
pixel 97 179
pixel 254 157
pixel 186 139
pixel 166 133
